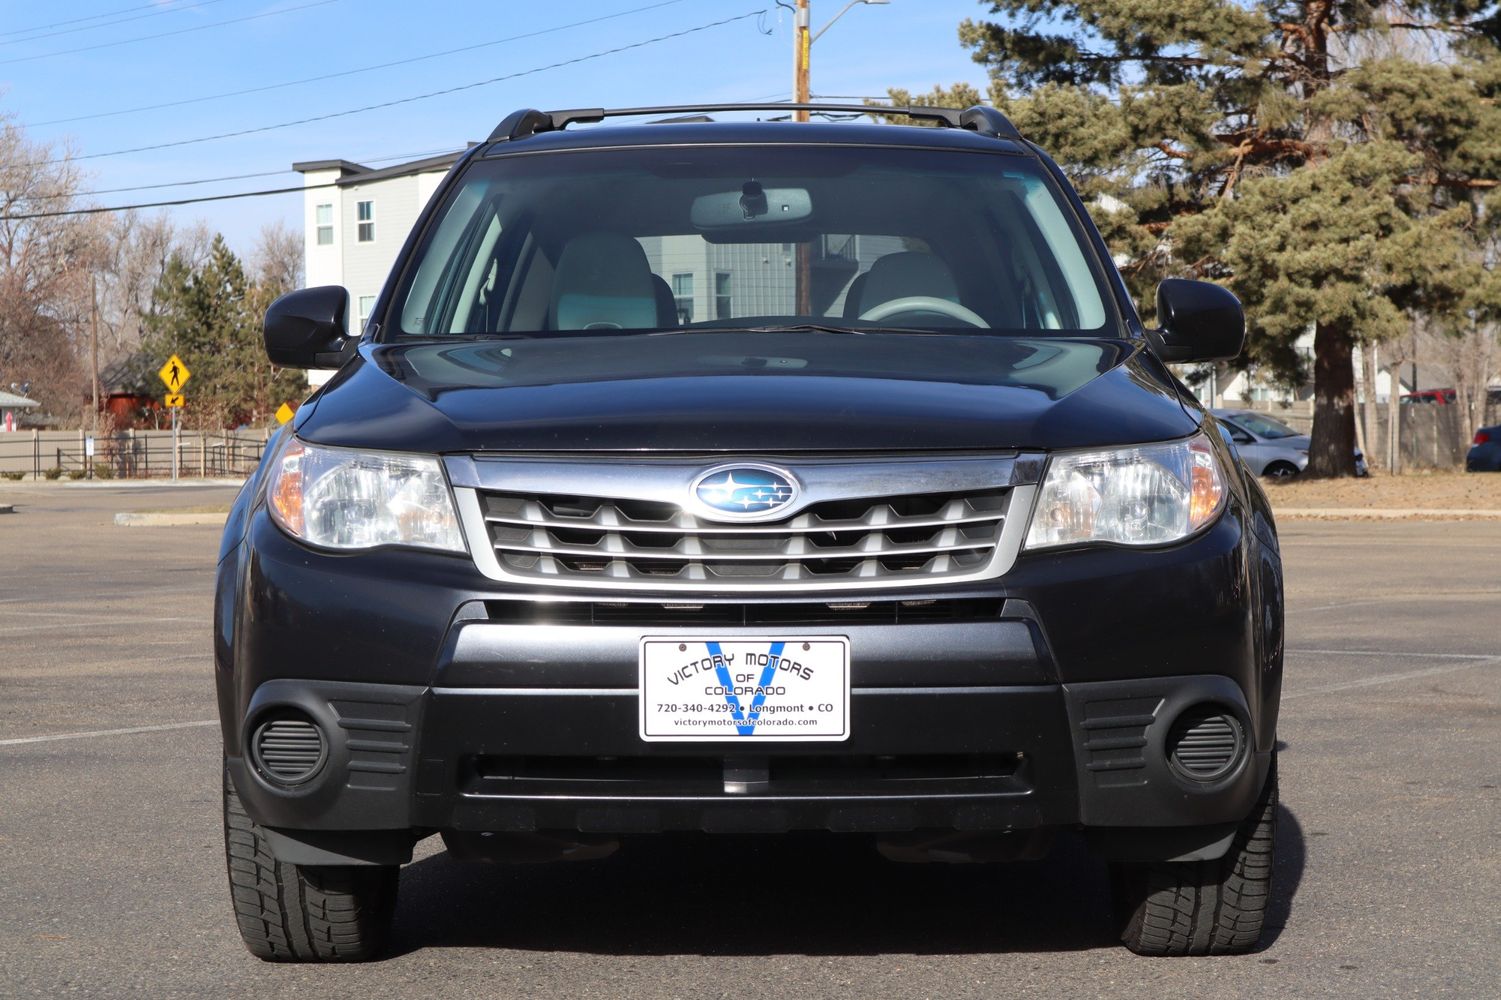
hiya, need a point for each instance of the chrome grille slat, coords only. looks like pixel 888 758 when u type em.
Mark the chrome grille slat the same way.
pixel 799 524
pixel 632 524
pixel 677 555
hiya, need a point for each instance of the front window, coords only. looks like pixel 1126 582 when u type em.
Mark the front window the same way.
pixel 1265 427
pixel 324 220
pixel 365 217
pixel 769 237
pixel 723 306
pixel 682 294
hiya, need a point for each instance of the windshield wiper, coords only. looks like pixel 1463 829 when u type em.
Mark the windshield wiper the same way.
pixel 857 330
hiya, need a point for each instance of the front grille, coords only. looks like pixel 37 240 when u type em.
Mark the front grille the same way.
pixel 783 774
pixel 651 614
pixel 921 537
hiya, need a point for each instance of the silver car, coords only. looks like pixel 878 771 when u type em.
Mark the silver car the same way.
pixel 1269 447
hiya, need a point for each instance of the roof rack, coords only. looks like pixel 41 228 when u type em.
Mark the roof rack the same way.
pixel 981 119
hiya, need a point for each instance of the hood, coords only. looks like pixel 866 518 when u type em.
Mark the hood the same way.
pixel 743 392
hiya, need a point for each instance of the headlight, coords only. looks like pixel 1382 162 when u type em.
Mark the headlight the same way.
pixel 1147 494
pixel 344 499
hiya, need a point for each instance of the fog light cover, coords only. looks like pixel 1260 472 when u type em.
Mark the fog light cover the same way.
pixel 1206 743
pixel 288 748
pixel 1150 494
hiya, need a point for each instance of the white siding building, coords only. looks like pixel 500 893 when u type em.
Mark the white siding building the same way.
pixel 355 219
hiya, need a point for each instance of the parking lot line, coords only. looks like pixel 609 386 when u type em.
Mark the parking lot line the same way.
pixel 1395 654
pixel 92 622
pixel 109 732
pixel 1406 675
pixel 1389 598
pixel 76 614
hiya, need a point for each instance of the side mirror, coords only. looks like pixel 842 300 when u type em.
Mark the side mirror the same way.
pixel 1200 322
pixel 305 328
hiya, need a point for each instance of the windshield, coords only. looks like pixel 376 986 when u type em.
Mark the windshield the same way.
pixel 1266 427
pixel 758 237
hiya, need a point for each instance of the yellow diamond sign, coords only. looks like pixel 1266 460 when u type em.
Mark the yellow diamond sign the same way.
pixel 175 374
pixel 283 413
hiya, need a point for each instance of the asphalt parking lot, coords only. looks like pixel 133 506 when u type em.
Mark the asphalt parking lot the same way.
pixel 112 874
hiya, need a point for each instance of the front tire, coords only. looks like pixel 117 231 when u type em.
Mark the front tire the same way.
pixel 1280 470
pixel 1202 907
pixel 303 913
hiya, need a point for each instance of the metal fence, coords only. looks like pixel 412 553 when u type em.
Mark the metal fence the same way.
pixel 130 454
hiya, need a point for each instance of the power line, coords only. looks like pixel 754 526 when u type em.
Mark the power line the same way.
pixel 156 12
pixel 167 34
pixel 80 20
pixel 103 209
pixel 420 154
pixel 353 72
pixel 398 101
pixel 100 210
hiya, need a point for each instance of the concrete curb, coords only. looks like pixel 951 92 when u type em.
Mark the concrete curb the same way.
pixel 114 484
pixel 160 520
pixel 1384 514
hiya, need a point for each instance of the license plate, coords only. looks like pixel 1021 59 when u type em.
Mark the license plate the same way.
pixel 721 690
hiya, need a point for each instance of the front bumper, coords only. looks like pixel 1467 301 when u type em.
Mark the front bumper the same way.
pixel 1043 700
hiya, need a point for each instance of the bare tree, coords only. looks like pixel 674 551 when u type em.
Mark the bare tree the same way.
pixel 45 267
pixel 276 262
pixel 135 255
pixel 1467 361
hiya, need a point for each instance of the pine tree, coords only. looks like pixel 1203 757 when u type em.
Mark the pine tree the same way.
pixel 1324 158
pixel 210 316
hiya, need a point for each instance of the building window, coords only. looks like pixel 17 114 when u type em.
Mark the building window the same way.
pixel 324 217
pixel 367 303
pixel 722 295
pixel 364 212
pixel 682 291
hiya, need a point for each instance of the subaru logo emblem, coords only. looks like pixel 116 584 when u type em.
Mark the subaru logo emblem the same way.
pixel 745 492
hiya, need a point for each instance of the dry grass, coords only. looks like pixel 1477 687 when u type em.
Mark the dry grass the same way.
pixel 1431 491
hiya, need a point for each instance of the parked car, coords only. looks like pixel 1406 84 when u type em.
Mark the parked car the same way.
pixel 1271 448
pixel 921 542
pixel 1485 452
pixel 1439 397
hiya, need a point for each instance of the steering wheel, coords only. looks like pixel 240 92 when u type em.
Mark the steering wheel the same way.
pixel 921 304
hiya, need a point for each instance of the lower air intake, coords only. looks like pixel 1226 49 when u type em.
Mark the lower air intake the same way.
pixel 288 748
pixel 1206 744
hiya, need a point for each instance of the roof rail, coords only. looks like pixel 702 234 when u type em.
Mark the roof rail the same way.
pixel 982 119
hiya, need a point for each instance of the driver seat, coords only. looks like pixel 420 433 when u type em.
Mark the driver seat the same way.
pixel 603 282
pixel 902 275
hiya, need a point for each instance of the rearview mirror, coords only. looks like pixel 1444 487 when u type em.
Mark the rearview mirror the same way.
pixel 1199 321
pixel 751 205
pixel 305 328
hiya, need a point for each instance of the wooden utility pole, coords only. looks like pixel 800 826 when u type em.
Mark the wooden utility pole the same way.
pixel 94 349
pixel 802 41
pixel 802 47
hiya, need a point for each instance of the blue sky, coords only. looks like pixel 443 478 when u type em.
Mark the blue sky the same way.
pixel 909 43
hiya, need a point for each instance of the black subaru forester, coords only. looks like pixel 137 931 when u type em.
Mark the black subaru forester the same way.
pixel 750 477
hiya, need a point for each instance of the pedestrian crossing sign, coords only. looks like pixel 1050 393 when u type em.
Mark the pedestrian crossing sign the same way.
pixel 174 374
